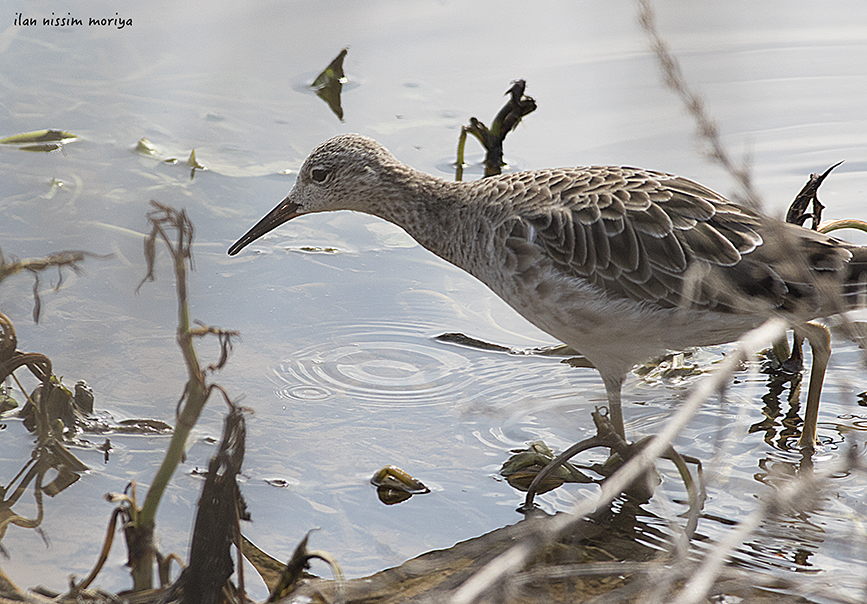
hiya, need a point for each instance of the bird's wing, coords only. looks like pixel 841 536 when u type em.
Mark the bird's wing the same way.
pixel 666 241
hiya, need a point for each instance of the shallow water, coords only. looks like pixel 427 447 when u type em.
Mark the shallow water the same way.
pixel 339 312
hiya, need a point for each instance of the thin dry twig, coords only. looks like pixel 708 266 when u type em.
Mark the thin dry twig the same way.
pixel 161 218
pixel 223 335
pixel 66 259
pixel 705 124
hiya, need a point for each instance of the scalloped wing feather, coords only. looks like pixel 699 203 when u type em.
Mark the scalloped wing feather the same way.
pixel 636 234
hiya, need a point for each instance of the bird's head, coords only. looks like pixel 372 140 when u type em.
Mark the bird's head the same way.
pixel 340 174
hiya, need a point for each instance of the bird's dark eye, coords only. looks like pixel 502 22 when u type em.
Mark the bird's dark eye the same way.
pixel 319 174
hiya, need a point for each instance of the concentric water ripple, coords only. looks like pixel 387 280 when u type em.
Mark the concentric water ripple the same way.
pixel 303 392
pixel 394 365
pixel 376 364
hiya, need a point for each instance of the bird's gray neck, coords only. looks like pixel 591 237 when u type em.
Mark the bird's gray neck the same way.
pixel 431 210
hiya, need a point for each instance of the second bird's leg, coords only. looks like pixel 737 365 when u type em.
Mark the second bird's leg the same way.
pixel 820 343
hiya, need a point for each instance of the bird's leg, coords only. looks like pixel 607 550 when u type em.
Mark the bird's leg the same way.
pixel 820 343
pixel 615 412
pixel 795 362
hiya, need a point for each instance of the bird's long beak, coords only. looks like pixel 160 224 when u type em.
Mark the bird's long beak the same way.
pixel 286 210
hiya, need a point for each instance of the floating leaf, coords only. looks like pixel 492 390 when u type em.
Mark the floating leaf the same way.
pixel 394 478
pixel 39 136
pixel 40 141
pixel 42 148
pixel 191 161
pixel 522 467
pixel 194 164
pixel 145 147
pixel 394 485
pixel 329 84
pixel 333 72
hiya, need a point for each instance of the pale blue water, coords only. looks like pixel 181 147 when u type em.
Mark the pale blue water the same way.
pixel 338 358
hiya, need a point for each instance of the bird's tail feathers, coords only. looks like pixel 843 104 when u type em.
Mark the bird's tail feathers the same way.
pixel 855 284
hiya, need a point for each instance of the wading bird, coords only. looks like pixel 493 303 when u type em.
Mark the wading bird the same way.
pixel 619 263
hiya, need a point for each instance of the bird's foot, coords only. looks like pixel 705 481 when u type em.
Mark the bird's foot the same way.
pixel 559 470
